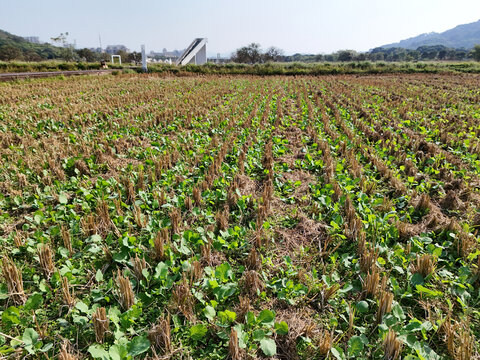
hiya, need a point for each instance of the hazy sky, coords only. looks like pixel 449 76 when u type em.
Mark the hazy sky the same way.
pixel 305 26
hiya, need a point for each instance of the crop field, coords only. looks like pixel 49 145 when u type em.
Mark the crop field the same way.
pixel 240 217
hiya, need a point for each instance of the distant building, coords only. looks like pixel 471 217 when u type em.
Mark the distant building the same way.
pixel 97 50
pixel 113 49
pixel 32 39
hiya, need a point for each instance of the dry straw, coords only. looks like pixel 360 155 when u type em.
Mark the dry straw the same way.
pixel 125 292
pixel 68 296
pixel 160 336
pixel 325 341
pixel 100 324
pixel 65 353
pixel 233 347
pixel 13 278
pixel 392 346
pixel 45 258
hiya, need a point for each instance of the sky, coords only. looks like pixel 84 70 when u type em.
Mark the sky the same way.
pixel 300 26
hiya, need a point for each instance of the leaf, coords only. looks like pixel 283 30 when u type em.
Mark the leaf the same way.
pixel 99 276
pixel 355 345
pixel 266 317
pixel 209 312
pixel 138 345
pixel 337 352
pixel 362 307
pixel 281 328
pixel 82 307
pixel 258 335
pixel 268 347
pixel 118 352
pixel 30 337
pixel 223 272
pixel 161 271
pixel 417 279
pixel 11 315
pixel 62 198
pixel 429 292
pixel 98 352
pixel 34 302
pixel 198 332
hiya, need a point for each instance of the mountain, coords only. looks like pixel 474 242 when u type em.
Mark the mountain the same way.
pixel 16 47
pixel 462 36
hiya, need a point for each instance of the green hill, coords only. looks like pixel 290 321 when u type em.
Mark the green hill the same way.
pixel 462 36
pixel 14 47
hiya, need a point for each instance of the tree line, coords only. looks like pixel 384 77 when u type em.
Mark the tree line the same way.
pixel 253 54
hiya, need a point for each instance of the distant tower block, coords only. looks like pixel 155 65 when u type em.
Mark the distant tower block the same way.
pixel 196 53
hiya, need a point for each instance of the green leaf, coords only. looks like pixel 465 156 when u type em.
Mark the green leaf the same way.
pixel 30 337
pixel 161 271
pixel 362 307
pixel 198 332
pixel 118 352
pixel 429 292
pixel 82 307
pixel 258 335
pixel 398 312
pixel 99 276
pixel 417 279
pixel 281 328
pixel 337 352
pixel 355 345
pixel 62 198
pixel 11 315
pixel 266 317
pixel 138 345
pixel 223 272
pixel 227 316
pixel 98 352
pixel 268 347
pixel 34 302
pixel 209 312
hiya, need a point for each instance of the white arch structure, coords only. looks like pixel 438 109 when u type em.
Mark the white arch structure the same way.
pixel 196 53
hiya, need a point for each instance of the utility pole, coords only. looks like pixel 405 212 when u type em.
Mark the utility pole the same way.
pixel 144 59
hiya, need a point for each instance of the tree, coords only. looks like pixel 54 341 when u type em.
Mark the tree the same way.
pixel 250 54
pixel 134 57
pixel 67 53
pixel 346 55
pixel 476 52
pixel 273 54
pixel 87 54
pixel 10 52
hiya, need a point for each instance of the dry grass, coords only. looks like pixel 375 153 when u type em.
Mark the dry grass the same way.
pixel 183 300
pixel 45 258
pixel 384 305
pixel 233 348
pixel 252 284
pixel 424 265
pixel 325 341
pixel 68 296
pixel 160 336
pixel 125 292
pixel 100 324
pixel 65 351
pixel 371 282
pixel 138 266
pixel 67 241
pixel 13 278
pixel 392 346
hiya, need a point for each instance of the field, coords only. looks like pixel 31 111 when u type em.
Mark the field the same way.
pixel 240 217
